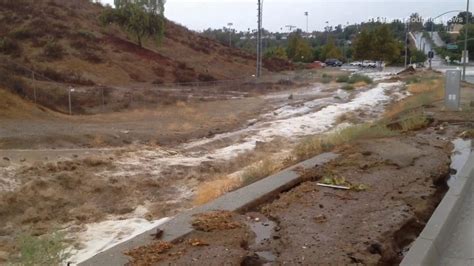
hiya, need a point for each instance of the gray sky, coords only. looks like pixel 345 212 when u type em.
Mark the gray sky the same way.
pixel 202 14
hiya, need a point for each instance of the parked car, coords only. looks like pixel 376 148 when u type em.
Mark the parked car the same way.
pixel 333 62
pixel 356 63
pixel 317 64
pixel 369 64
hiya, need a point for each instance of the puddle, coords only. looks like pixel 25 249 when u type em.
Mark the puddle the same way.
pixel 263 229
pixel 461 152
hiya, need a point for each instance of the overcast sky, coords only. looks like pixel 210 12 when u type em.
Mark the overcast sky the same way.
pixel 203 14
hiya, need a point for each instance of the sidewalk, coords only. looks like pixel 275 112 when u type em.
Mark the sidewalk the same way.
pixel 458 249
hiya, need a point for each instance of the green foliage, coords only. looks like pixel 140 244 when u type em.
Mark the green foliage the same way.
pixel 418 56
pixel 342 79
pixel 45 250
pixel 348 87
pixel 299 49
pixel 470 43
pixel 377 44
pixel 354 78
pixel 276 52
pixel 330 50
pixel 142 18
pixel 416 22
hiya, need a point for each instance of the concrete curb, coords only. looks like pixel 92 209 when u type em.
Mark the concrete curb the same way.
pixel 239 200
pixel 428 247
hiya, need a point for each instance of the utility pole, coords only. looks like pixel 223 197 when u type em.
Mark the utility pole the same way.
pixel 34 86
pixel 71 89
pixel 259 39
pixel 465 55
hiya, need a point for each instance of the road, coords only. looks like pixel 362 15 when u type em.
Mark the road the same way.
pixel 426 46
pixel 437 39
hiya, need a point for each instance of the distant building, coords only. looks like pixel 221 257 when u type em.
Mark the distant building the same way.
pixel 455 28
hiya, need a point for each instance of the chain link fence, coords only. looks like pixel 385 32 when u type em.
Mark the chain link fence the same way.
pixel 80 96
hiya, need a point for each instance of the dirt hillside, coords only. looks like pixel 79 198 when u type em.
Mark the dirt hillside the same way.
pixel 64 41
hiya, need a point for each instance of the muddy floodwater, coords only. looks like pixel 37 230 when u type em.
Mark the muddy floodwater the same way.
pixel 133 189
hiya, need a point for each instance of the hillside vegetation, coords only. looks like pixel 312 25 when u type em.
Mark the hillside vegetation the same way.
pixel 64 42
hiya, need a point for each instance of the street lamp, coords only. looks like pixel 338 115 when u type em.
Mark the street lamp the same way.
pixel 230 24
pixel 465 43
pixel 307 21
pixel 327 32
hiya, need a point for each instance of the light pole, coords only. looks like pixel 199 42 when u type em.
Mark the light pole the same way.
pixel 230 24
pixel 406 44
pixel 433 19
pixel 259 38
pixel 307 21
pixel 327 32
pixel 465 43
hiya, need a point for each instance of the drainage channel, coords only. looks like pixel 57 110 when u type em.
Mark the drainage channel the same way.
pixel 462 150
pixel 263 228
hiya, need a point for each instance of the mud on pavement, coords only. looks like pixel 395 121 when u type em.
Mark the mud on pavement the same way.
pixel 404 178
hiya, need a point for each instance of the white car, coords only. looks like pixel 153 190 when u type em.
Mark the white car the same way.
pixel 369 64
pixel 356 63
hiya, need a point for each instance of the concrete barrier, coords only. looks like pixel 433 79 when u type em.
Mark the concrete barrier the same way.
pixel 239 200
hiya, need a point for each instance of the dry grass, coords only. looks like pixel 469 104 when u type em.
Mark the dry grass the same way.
pixel 211 190
pixel 424 93
pixel 413 121
pixel 315 145
pixel 260 170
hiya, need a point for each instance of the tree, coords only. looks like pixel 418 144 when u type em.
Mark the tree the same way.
pixel 470 37
pixel 363 45
pixel 299 49
pixel 385 45
pixel 330 50
pixel 377 44
pixel 461 18
pixel 276 52
pixel 142 18
pixel 416 22
pixel 418 57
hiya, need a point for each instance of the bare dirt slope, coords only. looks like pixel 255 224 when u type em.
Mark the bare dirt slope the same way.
pixel 65 41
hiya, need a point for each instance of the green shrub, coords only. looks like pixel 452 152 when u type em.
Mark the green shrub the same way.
pixel 354 78
pixel 343 79
pixel 44 250
pixel 348 87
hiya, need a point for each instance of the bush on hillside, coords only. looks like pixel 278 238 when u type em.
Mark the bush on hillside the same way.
pixel 53 50
pixel 9 47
